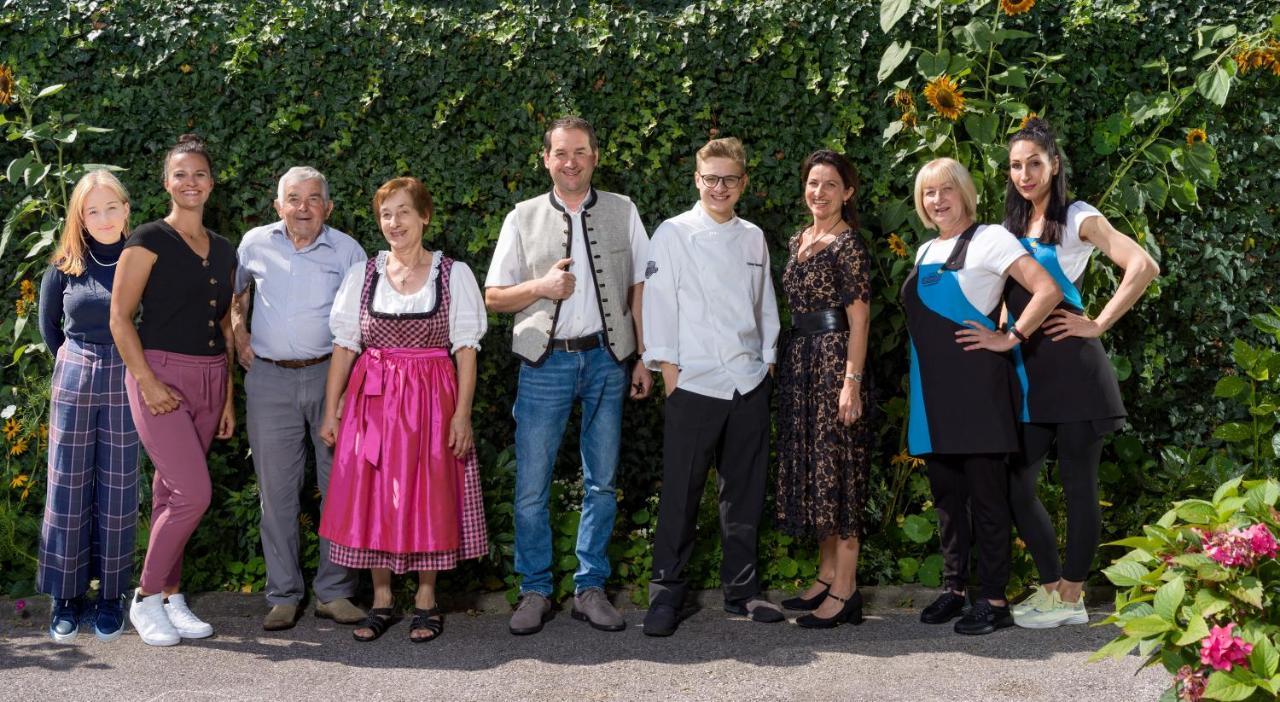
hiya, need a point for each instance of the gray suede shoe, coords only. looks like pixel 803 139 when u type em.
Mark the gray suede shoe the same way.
pixel 593 606
pixel 533 611
pixel 340 610
pixel 281 617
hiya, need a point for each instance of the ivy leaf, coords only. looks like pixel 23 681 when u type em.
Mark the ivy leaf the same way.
pixel 1214 84
pixel 1233 432
pixel 1221 686
pixel 891 11
pixel 893 56
pixel 1230 387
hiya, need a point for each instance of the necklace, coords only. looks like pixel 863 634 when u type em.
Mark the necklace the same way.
pixel 408 269
pixel 806 251
pixel 100 263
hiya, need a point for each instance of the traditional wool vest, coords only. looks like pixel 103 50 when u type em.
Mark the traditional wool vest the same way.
pixel 544 228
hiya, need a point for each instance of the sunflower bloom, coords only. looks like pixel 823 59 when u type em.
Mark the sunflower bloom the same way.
pixel 19 480
pixel 904 100
pixel 19 448
pixel 6 85
pixel 904 458
pixel 1025 120
pixel 944 95
pixel 11 428
pixel 1016 7
pixel 20 307
pixel 28 290
pixel 1196 136
pixel 897 246
pixel 909 119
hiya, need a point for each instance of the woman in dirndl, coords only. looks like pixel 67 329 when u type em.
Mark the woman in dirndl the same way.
pixel 405 490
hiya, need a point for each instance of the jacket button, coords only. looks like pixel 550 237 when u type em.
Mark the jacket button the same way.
pixel 213 303
pixel 211 343
pixel 599 270
pixel 211 323
pixel 205 263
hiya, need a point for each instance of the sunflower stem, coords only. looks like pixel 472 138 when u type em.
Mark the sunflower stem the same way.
pixel 991 50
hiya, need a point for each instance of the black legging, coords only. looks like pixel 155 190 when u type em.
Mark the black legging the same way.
pixel 1079 451
pixel 976 483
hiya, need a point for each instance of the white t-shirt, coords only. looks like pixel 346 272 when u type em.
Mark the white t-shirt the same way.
pixel 986 265
pixel 580 312
pixel 1074 252
pixel 468 320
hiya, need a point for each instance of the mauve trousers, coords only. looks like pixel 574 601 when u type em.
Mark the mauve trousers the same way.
pixel 177 443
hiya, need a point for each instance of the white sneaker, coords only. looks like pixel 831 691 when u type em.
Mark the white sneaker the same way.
pixel 1038 598
pixel 150 621
pixel 1055 613
pixel 189 626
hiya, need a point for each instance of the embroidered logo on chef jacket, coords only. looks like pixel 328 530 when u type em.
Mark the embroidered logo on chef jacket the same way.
pixel 650 269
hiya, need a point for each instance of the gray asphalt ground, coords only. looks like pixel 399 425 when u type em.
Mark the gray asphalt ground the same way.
pixel 713 656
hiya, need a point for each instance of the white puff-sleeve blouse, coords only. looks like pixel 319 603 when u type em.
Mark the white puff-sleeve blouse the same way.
pixel 467 318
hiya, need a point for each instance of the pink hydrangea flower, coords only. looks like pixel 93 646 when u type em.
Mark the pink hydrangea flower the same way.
pixel 1262 541
pixel 18 606
pixel 1229 548
pixel 1190 684
pixel 1221 650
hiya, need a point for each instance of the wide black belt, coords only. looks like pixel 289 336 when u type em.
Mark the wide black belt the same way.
pixel 581 343
pixel 829 320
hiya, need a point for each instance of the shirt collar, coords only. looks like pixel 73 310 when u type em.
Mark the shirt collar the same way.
pixel 709 222
pixel 557 203
pixel 321 239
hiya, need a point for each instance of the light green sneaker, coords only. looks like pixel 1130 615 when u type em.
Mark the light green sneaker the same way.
pixel 1054 613
pixel 1037 598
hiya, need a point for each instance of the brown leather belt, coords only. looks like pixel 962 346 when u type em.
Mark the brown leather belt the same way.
pixel 582 343
pixel 296 364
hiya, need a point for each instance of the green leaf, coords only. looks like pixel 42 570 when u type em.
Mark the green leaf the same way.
pixel 640 517
pixel 1196 630
pixel 1015 77
pixel 1233 432
pixel 1230 386
pixel 1149 625
pixel 893 55
pixel 1156 191
pixel 931 571
pixel 1231 488
pixel 908 568
pixel 1196 511
pixel 981 127
pixel 1169 599
pixel 788 568
pixel 1117 648
pixel 917 528
pixel 1248 591
pixel 1125 573
pixel 891 11
pixel 1214 84
pixel 1264 660
pixel 931 65
pixel 51 90
pixel 1222 686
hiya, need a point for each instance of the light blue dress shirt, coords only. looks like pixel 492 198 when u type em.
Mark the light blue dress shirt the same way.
pixel 294 289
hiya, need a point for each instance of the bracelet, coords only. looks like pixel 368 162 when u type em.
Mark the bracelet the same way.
pixel 1013 329
pixel 855 377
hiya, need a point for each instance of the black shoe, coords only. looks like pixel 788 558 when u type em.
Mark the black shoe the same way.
pixel 948 606
pixel 802 604
pixel 661 620
pixel 984 618
pixel 850 613
pixel 757 608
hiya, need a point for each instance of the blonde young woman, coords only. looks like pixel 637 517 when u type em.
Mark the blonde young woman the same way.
pixel 91 507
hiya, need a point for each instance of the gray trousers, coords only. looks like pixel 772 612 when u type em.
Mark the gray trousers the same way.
pixel 285 407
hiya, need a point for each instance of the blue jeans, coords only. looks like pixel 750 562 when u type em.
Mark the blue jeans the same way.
pixel 544 399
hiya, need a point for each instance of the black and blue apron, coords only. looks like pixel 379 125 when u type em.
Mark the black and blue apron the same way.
pixel 961 402
pixel 1069 380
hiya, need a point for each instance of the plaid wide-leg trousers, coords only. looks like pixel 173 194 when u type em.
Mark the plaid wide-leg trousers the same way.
pixel 91 507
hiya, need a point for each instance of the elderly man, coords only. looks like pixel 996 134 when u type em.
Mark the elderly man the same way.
pixel 570 265
pixel 296 266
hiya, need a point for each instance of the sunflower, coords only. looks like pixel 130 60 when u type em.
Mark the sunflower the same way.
pixel 909 119
pixel 904 458
pixel 944 95
pixel 19 448
pixel 1025 120
pixel 904 100
pixel 19 480
pixel 6 85
pixel 1271 56
pixel 1196 136
pixel 11 428
pixel 20 307
pixel 28 290
pixel 897 246
pixel 1016 7
pixel 1249 59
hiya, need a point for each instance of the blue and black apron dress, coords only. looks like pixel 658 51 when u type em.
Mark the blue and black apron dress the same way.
pixel 1069 380
pixel 962 402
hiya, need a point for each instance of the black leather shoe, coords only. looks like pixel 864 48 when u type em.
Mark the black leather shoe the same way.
pixel 757 608
pixel 850 613
pixel 948 606
pixel 984 618
pixel 802 604
pixel 661 620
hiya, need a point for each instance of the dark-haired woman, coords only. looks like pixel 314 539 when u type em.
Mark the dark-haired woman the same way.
pixel 1071 397
pixel 823 435
pixel 91 507
pixel 405 490
pixel 177 379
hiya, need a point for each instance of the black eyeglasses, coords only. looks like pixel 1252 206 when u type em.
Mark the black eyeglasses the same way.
pixel 714 181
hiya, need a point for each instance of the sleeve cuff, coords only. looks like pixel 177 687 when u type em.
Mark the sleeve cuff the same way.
pixel 465 343
pixel 352 346
pixel 770 356
pixel 655 356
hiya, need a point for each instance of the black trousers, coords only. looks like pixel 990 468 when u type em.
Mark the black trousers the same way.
pixel 1079 452
pixel 734 435
pixel 973 488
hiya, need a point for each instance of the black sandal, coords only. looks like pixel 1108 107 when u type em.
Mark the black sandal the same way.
pixel 377 621
pixel 430 619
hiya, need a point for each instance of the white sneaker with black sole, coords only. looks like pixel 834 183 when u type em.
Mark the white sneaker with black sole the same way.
pixel 150 620
pixel 189 626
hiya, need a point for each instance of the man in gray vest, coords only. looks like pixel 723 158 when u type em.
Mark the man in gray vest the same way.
pixel 570 265
pixel 295 266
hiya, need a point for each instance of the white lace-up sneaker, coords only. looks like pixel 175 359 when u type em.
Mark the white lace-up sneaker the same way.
pixel 150 620
pixel 189 626
pixel 1054 613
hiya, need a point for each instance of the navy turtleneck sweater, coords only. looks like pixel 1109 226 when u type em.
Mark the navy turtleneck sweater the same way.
pixel 79 307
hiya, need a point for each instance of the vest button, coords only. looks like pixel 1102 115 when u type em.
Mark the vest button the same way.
pixel 211 323
pixel 213 303
pixel 211 343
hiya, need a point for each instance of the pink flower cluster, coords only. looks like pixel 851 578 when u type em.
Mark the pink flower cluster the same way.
pixel 1190 683
pixel 1240 548
pixel 1222 650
